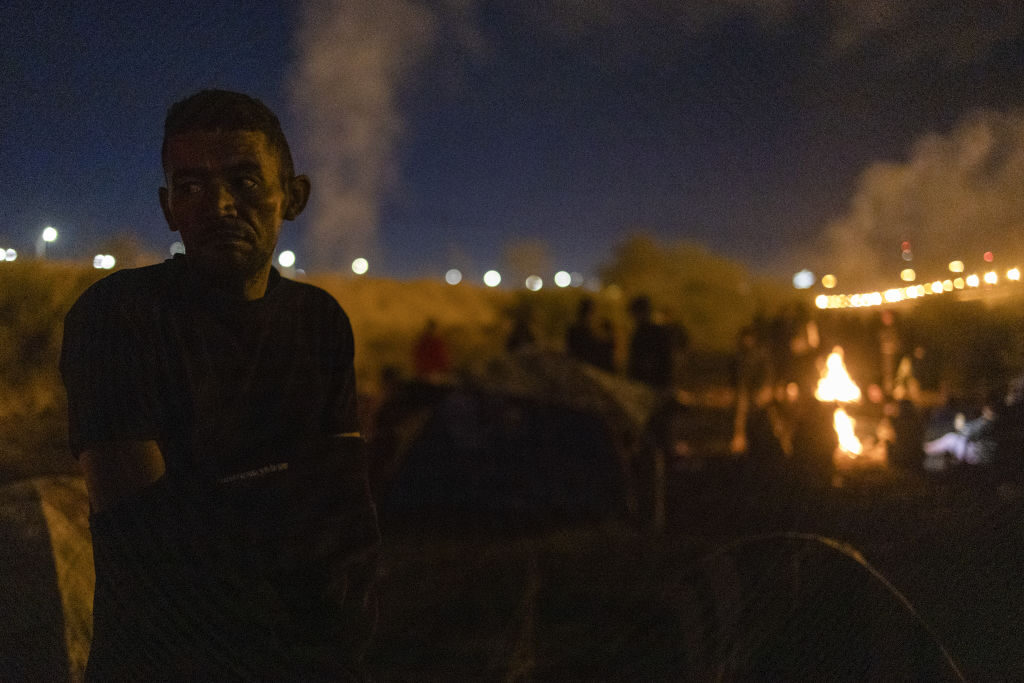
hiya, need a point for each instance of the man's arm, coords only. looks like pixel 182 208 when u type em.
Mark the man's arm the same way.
pixel 115 471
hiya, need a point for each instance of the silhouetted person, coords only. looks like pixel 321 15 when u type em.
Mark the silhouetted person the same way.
pixel 888 349
pixel 754 425
pixel 430 353
pixel 522 335
pixel 587 342
pixel 653 347
pixel 212 408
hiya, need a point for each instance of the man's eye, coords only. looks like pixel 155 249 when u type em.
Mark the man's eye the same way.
pixel 189 187
pixel 248 183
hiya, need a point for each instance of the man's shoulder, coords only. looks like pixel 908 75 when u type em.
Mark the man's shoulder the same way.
pixel 308 295
pixel 127 285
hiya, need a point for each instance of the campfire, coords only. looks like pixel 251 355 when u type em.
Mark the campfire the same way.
pixel 836 386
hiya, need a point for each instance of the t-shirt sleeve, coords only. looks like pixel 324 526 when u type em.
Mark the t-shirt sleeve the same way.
pixel 341 412
pixel 110 384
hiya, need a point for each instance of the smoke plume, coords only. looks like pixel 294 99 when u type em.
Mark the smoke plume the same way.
pixel 957 196
pixel 353 58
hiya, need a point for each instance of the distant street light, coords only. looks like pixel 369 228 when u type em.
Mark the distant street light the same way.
pixel 563 279
pixel 286 259
pixel 360 266
pixel 49 234
pixel 492 278
pixel 103 261
pixel 803 280
pixel 453 276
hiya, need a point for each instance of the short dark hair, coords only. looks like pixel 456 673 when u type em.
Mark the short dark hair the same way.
pixel 224 110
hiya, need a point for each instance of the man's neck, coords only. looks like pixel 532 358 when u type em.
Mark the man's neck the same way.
pixel 248 288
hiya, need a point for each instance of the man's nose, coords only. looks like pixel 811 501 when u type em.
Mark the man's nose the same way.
pixel 223 200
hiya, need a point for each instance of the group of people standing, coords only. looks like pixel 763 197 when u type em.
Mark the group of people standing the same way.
pixel 655 348
pixel 653 357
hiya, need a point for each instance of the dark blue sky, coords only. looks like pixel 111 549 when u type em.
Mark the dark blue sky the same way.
pixel 574 124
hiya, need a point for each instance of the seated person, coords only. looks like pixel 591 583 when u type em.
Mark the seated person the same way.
pixel 974 443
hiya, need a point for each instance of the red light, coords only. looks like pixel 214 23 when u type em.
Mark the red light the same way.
pixel 905 246
pixel 988 256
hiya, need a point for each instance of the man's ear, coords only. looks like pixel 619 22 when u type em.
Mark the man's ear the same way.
pixel 165 206
pixel 297 190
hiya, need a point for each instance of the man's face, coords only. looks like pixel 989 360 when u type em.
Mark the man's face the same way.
pixel 226 197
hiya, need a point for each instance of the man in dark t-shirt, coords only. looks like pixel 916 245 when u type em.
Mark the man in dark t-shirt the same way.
pixel 212 409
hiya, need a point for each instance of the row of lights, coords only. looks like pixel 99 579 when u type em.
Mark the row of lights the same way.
pixel 897 294
pixel 492 278
pixel 101 261
pixel 286 259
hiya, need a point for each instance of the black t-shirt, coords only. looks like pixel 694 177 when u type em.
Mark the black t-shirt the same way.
pixel 253 406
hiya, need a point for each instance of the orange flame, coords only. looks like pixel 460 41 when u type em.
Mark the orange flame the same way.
pixel 848 441
pixel 836 385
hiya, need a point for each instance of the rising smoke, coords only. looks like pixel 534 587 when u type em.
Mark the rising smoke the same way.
pixel 353 58
pixel 957 196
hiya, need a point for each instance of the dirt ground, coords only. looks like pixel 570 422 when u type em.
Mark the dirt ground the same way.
pixel 876 574
pixel 889 576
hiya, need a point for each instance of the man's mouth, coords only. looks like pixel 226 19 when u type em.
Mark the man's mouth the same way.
pixel 227 237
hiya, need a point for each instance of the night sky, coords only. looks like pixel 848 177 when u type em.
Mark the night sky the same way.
pixel 453 133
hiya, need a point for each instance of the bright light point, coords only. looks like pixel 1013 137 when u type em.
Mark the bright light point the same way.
pixel 947 285
pixel 936 287
pixel 1013 274
pixel 959 283
pixel 563 279
pixel 893 295
pixel 828 281
pixel 991 278
pixel 108 262
pixel 10 255
pixel 492 278
pixel 908 275
pixel 821 301
pixel 360 266
pixel 286 259
pixel 49 233
pixel 534 283
pixel 956 266
pixel 177 248
pixel 803 280
pixel 97 261
pixel 453 276
pixel 973 281
pixel 988 256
